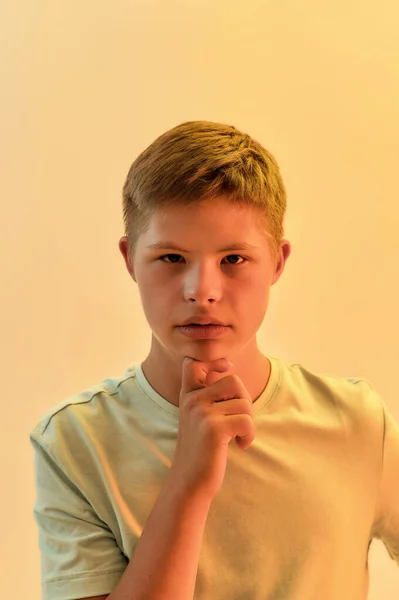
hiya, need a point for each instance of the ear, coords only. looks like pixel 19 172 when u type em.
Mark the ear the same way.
pixel 285 251
pixel 123 247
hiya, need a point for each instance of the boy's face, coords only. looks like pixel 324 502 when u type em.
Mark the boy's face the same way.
pixel 231 286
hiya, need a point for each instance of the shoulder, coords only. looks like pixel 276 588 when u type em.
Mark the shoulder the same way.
pixel 84 408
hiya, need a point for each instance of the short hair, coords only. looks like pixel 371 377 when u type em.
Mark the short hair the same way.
pixel 203 160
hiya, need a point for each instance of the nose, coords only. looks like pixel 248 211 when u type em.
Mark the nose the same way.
pixel 202 284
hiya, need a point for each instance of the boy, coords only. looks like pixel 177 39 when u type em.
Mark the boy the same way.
pixel 140 495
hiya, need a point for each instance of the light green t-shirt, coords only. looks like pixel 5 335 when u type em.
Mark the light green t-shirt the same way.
pixel 295 515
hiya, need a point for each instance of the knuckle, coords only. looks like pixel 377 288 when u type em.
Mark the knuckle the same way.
pixel 192 400
pixel 210 427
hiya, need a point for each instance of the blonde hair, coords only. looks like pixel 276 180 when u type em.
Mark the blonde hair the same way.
pixel 203 160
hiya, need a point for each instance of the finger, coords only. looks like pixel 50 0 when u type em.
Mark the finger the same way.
pixel 195 372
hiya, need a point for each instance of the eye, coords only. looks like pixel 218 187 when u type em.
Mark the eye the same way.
pixel 178 255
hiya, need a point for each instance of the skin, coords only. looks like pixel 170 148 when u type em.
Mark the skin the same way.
pixel 233 290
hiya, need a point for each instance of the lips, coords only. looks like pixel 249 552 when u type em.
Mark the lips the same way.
pixel 201 321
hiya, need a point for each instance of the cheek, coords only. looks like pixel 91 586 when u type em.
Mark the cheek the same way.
pixel 159 308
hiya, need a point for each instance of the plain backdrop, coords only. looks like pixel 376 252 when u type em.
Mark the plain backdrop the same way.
pixel 85 87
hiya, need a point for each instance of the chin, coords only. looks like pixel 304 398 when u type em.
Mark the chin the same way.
pixel 205 354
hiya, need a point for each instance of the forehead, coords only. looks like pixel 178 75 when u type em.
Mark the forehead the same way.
pixel 219 212
pixel 225 225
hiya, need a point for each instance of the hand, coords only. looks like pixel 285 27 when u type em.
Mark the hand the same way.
pixel 215 407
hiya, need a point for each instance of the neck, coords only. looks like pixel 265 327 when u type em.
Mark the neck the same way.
pixel 164 375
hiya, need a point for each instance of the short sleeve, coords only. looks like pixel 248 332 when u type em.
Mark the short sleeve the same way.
pixel 386 525
pixel 78 553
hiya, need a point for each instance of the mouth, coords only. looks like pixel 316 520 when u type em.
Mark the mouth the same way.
pixel 201 320
pixel 203 325
pixel 203 331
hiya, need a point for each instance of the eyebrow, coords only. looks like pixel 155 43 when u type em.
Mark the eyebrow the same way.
pixel 170 246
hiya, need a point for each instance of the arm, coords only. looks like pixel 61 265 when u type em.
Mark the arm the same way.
pixel 386 525
pixel 165 562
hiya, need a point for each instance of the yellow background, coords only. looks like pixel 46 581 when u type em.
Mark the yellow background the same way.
pixel 85 86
